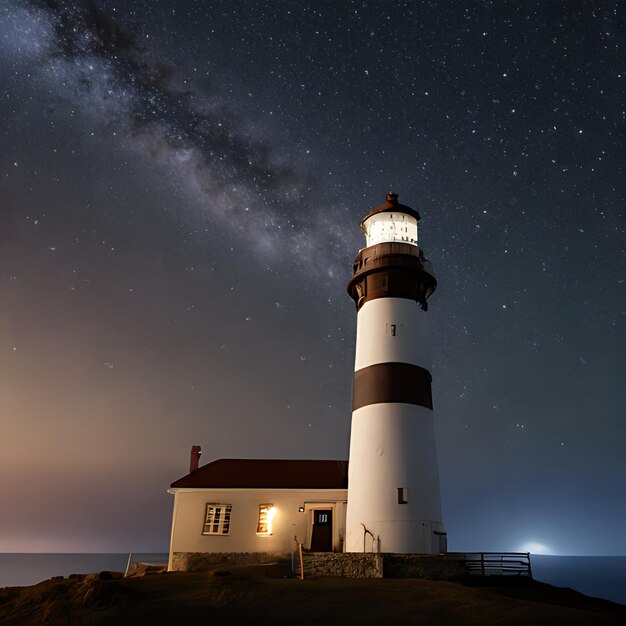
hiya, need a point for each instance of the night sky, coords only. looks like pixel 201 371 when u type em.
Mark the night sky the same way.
pixel 181 186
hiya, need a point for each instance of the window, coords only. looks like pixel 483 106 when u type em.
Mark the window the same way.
pixel 217 519
pixel 266 513
pixel 403 495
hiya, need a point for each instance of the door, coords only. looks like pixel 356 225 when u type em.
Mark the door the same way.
pixel 441 542
pixel 322 533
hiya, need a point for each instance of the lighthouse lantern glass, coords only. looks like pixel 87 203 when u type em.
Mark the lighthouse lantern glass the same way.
pixel 389 226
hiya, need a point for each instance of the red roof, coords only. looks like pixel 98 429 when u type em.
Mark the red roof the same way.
pixel 267 474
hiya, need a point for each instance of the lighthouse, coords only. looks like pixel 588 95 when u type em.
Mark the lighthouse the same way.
pixel 393 480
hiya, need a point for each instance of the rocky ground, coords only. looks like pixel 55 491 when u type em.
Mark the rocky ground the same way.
pixel 267 595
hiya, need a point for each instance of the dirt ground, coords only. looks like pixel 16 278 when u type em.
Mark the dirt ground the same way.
pixel 267 595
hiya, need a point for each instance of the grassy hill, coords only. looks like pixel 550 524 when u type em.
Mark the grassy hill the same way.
pixel 267 595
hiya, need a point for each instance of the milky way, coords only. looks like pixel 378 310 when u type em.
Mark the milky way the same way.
pixel 84 57
pixel 181 190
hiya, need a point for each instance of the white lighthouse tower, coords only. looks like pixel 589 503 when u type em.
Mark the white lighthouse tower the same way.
pixel 393 479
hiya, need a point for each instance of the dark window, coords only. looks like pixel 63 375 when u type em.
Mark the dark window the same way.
pixel 403 495
pixel 217 519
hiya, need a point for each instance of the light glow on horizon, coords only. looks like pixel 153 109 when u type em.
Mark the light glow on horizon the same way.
pixel 535 547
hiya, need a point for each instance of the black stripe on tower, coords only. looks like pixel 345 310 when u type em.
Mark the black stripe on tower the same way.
pixel 392 382
pixel 391 270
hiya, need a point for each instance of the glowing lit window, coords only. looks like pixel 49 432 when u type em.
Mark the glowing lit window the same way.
pixel 266 513
pixel 384 227
pixel 217 519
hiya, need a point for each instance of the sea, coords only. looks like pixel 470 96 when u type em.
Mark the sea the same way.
pixel 598 576
pixel 23 569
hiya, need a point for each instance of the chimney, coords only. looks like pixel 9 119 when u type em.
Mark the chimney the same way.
pixel 194 461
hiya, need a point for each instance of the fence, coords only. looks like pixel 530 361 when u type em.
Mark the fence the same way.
pixel 498 564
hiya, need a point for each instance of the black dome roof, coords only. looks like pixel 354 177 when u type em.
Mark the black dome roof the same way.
pixel 392 206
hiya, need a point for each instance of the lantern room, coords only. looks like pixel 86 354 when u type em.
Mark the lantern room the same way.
pixel 391 222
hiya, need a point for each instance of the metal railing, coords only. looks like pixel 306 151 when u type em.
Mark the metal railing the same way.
pixel 498 564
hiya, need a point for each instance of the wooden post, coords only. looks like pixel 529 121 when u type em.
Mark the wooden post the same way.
pixel 130 556
pixel 301 562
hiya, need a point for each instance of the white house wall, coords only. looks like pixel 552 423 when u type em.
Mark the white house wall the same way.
pixel 190 510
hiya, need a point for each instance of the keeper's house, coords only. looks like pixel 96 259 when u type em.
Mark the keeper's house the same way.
pixel 258 506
